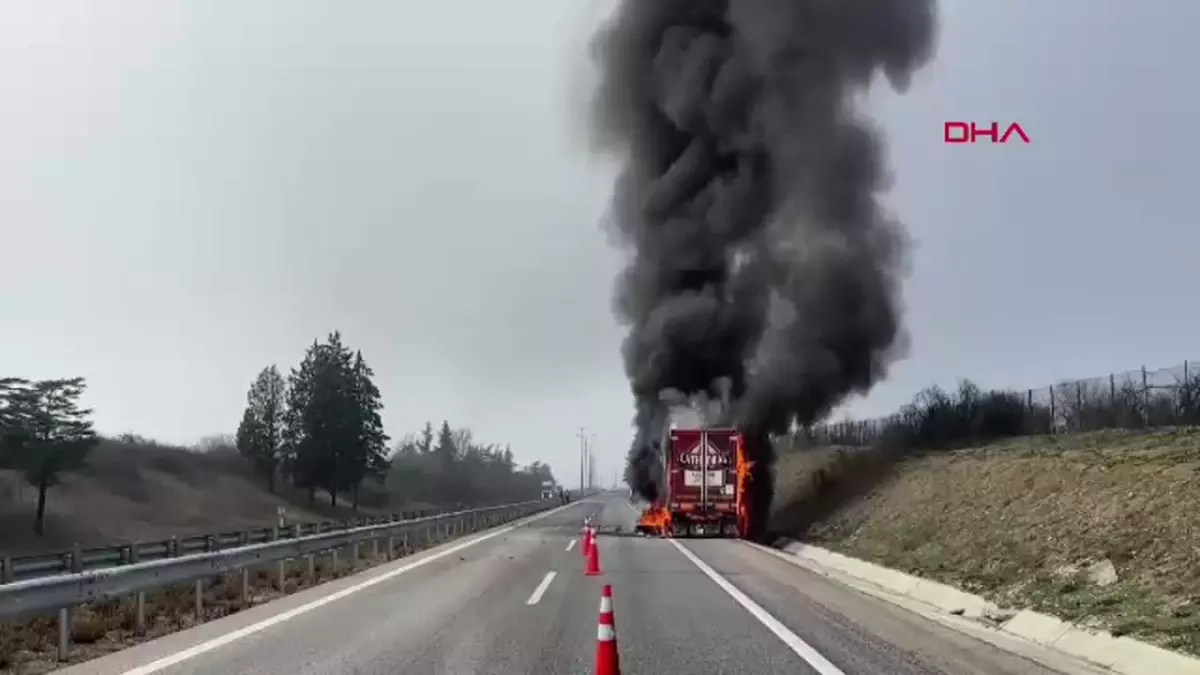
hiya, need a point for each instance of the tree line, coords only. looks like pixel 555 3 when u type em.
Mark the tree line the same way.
pixel 319 429
pixel 938 419
pixel 450 467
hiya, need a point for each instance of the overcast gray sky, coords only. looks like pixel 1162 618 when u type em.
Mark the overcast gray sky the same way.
pixel 191 190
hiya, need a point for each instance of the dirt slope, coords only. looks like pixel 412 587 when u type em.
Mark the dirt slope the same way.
pixel 1102 528
pixel 142 492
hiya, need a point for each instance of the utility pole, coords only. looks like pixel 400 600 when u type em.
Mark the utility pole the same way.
pixel 591 461
pixel 582 457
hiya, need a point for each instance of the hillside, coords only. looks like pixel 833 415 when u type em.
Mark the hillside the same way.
pixel 1099 527
pixel 145 491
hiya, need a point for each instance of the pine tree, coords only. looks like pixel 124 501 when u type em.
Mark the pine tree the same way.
pixel 260 436
pixel 425 444
pixel 335 436
pixel 445 456
pixel 302 456
pixel 369 456
pixel 43 432
pixel 12 419
pixel 335 405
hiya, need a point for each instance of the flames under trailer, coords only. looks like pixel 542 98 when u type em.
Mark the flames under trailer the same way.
pixel 702 495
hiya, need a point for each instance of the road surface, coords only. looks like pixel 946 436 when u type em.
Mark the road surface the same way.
pixel 516 602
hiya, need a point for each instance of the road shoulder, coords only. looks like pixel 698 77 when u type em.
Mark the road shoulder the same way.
pixel 1043 639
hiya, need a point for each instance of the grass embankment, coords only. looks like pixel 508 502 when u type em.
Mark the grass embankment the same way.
pixel 1037 522
pixel 145 492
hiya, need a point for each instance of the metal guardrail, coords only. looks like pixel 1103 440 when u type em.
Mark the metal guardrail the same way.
pixel 27 567
pixel 176 564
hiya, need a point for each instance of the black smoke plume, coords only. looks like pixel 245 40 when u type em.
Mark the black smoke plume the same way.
pixel 760 261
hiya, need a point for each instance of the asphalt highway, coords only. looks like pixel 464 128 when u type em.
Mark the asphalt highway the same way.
pixel 515 601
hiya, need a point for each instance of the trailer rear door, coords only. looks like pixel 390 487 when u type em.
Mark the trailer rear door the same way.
pixel 703 471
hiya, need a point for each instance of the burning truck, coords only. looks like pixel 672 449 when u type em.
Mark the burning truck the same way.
pixel 704 478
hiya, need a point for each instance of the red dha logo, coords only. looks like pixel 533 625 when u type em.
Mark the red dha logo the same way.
pixel 967 132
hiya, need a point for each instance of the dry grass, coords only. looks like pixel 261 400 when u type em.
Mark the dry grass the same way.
pixel 1020 521
pixel 29 647
pixel 137 492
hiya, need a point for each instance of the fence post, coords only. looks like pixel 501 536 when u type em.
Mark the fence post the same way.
pixel 1185 400
pixel 1145 398
pixel 1029 416
pixel 1079 405
pixel 1052 415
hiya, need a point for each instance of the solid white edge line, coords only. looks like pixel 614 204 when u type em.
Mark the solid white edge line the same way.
pixel 570 544
pixel 222 640
pixel 541 589
pixel 802 649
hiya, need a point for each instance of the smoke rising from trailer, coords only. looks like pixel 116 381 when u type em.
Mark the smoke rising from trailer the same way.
pixel 761 268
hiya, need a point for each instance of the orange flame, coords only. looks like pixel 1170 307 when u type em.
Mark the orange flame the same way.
pixel 655 519
pixel 743 488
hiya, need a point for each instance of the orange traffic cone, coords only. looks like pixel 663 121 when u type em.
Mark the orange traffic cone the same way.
pixel 593 560
pixel 607 657
pixel 585 540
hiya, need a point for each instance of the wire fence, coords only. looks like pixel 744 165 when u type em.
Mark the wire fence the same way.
pixel 1135 399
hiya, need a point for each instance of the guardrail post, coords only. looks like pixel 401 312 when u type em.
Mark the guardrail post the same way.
pixel 74 565
pixel 391 546
pixel 281 568
pixel 139 598
pixel 64 633
pixel 310 559
pixel 374 547
pixel 208 548
pixel 6 571
pixel 243 538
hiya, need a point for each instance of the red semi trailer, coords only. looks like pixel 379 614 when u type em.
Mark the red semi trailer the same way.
pixel 704 473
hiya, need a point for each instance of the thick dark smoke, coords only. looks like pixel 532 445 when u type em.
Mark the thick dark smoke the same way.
pixel 760 258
